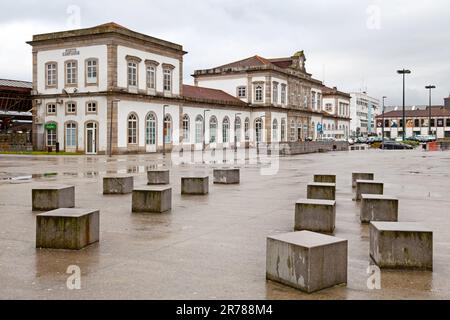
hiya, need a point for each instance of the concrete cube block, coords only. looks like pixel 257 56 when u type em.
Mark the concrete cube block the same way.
pixel 315 215
pixel 67 228
pixel 325 191
pixel 401 245
pixel 158 176
pixel 361 176
pixel 118 184
pixel 377 207
pixel 53 197
pixel 195 185
pixel 306 260
pixel 325 178
pixel 368 187
pixel 226 176
pixel 155 199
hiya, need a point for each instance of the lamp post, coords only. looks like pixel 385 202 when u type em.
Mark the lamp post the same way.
pixel 382 127
pixel 204 128
pixel 164 129
pixel 403 72
pixel 235 136
pixel 429 87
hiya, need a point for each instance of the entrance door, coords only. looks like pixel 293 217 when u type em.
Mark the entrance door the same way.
pixel 299 134
pixel 91 138
pixel 150 133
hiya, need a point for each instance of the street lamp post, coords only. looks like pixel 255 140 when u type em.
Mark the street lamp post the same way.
pixel 403 72
pixel 235 136
pixel 429 87
pixel 382 127
pixel 204 128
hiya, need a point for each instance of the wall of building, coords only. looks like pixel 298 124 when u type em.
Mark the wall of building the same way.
pixel 122 69
pixel 97 51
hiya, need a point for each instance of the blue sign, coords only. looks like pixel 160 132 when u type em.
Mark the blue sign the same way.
pixel 319 128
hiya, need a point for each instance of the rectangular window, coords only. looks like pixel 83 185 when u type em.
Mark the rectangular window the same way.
pixel 258 93
pixel 275 93
pixel 71 108
pixel 151 77
pixel 71 73
pixel 52 70
pixel 167 80
pixel 132 74
pixel 91 71
pixel 91 107
pixel 247 130
pixel 51 108
pixel 447 122
pixel 242 92
pixel 283 94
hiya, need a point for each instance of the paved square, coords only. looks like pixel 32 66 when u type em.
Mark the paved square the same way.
pixel 214 246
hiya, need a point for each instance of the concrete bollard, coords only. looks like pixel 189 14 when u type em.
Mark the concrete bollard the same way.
pixel 401 245
pixel 361 176
pixel 377 207
pixel 315 215
pixel 118 184
pixel 368 187
pixel 306 260
pixel 226 176
pixel 156 199
pixel 195 185
pixel 324 191
pixel 67 228
pixel 325 178
pixel 158 176
pixel 53 197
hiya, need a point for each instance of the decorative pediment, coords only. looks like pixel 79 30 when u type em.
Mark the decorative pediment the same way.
pixel 298 61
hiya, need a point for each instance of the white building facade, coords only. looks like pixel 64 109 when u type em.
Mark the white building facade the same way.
pixel 363 112
pixel 108 89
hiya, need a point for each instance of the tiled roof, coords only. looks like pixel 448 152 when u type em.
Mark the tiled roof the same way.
pixel 15 84
pixel 282 63
pixel 248 62
pixel 201 93
pixel 436 111
pixel 334 91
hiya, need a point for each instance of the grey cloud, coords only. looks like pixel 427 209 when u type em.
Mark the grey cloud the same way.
pixel 413 34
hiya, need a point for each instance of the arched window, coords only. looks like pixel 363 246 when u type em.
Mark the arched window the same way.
pixel 258 129
pixel 150 129
pixel 292 130
pixel 213 129
pixel 167 129
pixel 71 135
pixel 199 129
pixel 226 130
pixel 283 130
pixel 305 130
pixel 186 131
pixel 275 130
pixel 247 129
pixel 237 131
pixel 132 128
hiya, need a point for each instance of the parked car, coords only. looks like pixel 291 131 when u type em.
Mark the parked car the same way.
pixel 425 138
pixel 351 141
pixel 371 140
pixel 394 145
pixel 361 140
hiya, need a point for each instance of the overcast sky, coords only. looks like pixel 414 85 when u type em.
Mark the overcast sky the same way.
pixel 354 45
